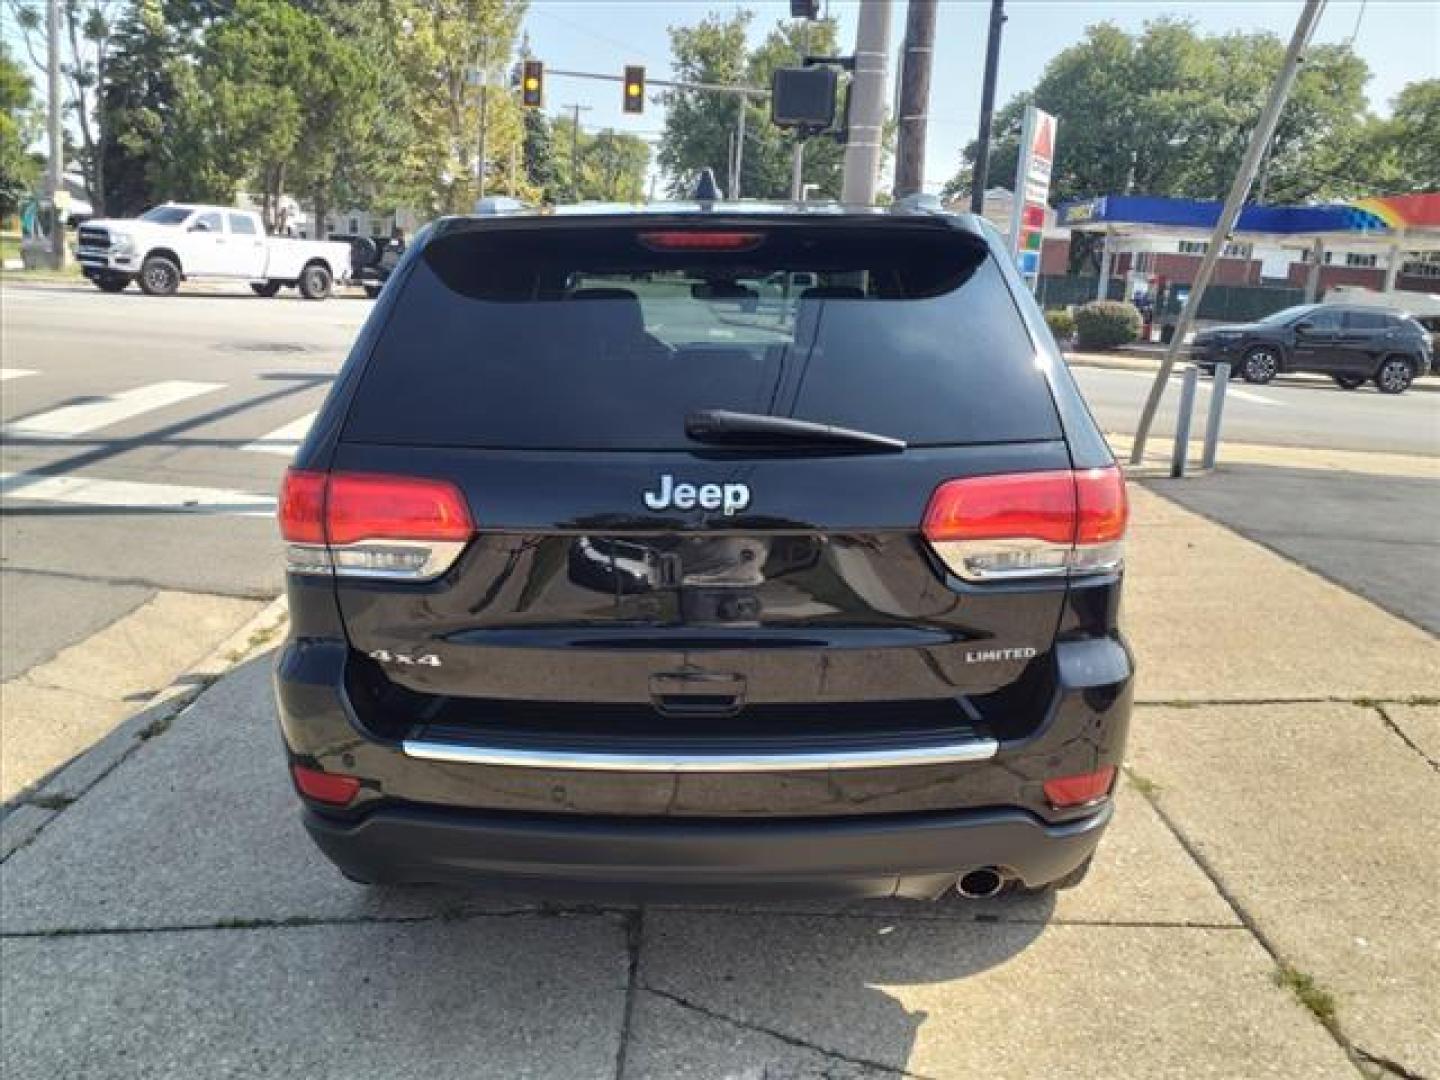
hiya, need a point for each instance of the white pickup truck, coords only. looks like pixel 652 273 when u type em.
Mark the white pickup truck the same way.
pixel 169 244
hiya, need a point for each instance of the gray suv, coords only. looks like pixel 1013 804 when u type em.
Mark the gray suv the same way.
pixel 1353 345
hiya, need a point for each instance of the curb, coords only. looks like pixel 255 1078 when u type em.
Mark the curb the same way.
pixel 28 813
pixel 1121 362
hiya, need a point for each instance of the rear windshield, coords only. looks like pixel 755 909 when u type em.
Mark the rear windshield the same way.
pixel 607 337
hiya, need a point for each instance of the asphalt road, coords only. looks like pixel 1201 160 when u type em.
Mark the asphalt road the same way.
pixel 144 440
pixel 1288 412
pixel 139 448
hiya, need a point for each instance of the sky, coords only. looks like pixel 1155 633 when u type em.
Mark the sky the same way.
pixel 1399 39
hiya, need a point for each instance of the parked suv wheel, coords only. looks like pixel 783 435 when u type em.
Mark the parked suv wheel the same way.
pixel 1260 365
pixel 159 276
pixel 1395 375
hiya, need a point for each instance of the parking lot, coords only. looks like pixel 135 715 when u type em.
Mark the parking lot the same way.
pixel 1267 902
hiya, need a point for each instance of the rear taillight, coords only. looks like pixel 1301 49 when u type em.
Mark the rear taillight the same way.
pixel 1029 525
pixel 365 525
pixel 1067 792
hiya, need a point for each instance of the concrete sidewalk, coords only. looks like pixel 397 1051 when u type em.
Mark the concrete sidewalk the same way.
pixel 1264 905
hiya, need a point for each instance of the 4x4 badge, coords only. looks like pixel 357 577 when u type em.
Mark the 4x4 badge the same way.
pixel 385 656
pixel 727 498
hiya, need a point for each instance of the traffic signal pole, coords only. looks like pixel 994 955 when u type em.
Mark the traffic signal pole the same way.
pixel 867 103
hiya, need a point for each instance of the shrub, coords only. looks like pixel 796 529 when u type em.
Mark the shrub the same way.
pixel 1061 323
pixel 1106 324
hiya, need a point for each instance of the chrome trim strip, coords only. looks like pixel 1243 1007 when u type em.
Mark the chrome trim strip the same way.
pixel 943 754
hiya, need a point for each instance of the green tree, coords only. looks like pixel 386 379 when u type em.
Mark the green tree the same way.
pixel 539 156
pixel 137 108
pixel 437 45
pixel 611 164
pixel 85 27
pixel 1402 154
pixel 700 126
pixel 1169 111
pixel 19 169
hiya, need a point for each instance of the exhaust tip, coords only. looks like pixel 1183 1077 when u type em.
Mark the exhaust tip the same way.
pixel 980 884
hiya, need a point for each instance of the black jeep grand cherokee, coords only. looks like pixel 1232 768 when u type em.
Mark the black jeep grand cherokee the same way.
pixel 706 549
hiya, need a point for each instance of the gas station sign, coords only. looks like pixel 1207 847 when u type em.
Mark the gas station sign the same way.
pixel 1032 190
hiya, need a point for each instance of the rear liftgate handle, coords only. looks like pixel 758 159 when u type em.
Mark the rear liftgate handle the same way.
pixel 697 693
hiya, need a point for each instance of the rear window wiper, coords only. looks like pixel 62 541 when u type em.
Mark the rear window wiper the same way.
pixel 722 426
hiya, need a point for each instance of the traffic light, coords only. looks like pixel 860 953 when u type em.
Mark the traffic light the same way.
pixel 634 89
pixel 804 9
pixel 532 84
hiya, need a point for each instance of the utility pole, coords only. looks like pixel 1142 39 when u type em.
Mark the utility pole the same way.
pixel 797 157
pixel 915 97
pixel 867 103
pixel 739 152
pixel 575 110
pixel 1259 140
pixel 56 171
pixel 981 176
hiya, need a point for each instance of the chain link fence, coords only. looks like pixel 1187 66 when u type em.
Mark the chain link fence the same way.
pixel 1221 303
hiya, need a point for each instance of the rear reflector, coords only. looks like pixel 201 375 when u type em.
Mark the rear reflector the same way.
pixel 701 241
pixel 1072 791
pixel 1026 525
pixel 333 788
pixel 367 525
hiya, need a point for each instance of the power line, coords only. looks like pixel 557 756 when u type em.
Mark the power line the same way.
pixel 1359 16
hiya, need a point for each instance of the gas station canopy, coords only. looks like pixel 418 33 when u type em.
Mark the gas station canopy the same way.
pixel 1409 221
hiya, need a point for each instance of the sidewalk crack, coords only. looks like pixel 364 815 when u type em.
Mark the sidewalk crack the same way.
pixel 1331 1023
pixel 634 935
pixel 1388 1064
pixel 1399 733
pixel 780 1036
pixel 300 922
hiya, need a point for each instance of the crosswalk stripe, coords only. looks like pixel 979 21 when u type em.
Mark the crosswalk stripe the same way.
pixel 283 440
pixel 132 494
pixel 8 373
pixel 1246 395
pixel 87 416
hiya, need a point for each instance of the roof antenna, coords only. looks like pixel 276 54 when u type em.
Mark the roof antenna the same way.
pixel 706 189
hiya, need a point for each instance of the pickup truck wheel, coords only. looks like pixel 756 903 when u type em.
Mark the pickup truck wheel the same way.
pixel 159 276
pixel 265 288
pixel 1348 382
pixel 1395 375
pixel 315 282
pixel 112 282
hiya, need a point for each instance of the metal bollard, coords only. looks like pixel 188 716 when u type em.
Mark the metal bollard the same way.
pixel 1217 411
pixel 1182 420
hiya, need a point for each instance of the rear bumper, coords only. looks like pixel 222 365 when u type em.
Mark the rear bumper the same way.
pixel 917 856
